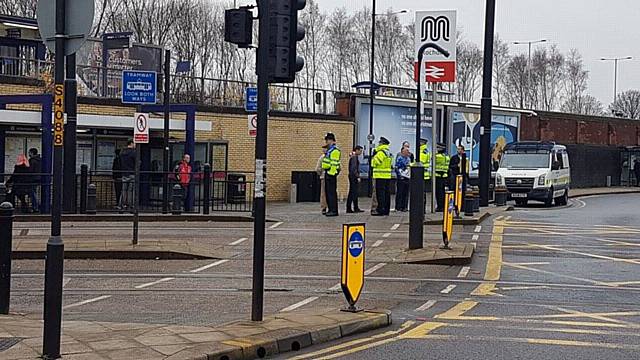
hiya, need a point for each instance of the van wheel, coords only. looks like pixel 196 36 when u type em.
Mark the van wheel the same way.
pixel 564 199
pixel 549 201
pixel 522 202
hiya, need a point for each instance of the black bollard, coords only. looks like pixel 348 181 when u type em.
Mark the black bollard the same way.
pixel 91 199
pixel 501 196
pixel 476 199
pixel 3 193
pixel 177 200
pixel 206 183
pixel 84 180
pixel 469 199
pixel 6 228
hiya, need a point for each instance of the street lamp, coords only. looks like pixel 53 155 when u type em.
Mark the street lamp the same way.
pixel 529 43
pixel 371 136
pixel 615 73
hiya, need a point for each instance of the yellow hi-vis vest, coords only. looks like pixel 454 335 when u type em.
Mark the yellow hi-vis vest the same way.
pixel 442 165
pixel 381 163
pixel 331 161
pixel 425 159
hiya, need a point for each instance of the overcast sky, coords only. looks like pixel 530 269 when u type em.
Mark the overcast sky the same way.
pixel 596 28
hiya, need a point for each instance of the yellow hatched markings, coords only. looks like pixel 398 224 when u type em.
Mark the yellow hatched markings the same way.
pixel 536 341
pixel 596 256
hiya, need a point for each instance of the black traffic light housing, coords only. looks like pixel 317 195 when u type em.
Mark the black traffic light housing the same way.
pixel 238 27
pixel 284 33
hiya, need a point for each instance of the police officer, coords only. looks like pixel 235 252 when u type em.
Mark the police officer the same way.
pixel 382 164
pixel 442 169
pixel 425 159
pixel 331 167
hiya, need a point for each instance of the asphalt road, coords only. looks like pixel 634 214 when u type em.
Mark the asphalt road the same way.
pixel 558 283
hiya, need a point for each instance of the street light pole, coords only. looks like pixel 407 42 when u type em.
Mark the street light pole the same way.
pixel 529 43
pixel 371 137
pixel 484 173
pixel 615 73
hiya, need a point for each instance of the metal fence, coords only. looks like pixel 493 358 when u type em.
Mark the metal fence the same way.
pixel 106 83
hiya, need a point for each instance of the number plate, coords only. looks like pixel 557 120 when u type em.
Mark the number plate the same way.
pixel 519 195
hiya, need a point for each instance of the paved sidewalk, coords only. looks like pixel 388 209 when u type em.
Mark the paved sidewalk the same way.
pixel 279 333
pixel 573 193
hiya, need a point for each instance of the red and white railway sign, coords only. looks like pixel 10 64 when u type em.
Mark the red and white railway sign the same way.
pixel 437 71
pixel 437 27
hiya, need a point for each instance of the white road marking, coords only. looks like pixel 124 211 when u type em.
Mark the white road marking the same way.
pixel 532 263
pixel 426 305
pixel 377 243
pixel 335 287
pixel 374 269
pixel 395 226
pixel 80 303
pixel 508 218
pixel 65 281
pixel 276 225
pixel 478 228
pixel 300 304
pixel 499 217
pixel 475 237
pixel 239 241
pixel 448 289
pixel 154 283
pixel 474 245
pixel 219 262
pixel 386 235
pixel 464 272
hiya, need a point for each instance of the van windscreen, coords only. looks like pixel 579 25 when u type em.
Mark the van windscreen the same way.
pixel 532 160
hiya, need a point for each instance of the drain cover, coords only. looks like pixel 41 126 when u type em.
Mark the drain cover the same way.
pixel 6 343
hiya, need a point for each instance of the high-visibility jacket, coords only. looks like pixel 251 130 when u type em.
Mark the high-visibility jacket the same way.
pixel 382 163
pixel 331 161
pixel 442 165
pixel 425 159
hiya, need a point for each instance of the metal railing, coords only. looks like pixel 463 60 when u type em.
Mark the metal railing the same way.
pixel 184 89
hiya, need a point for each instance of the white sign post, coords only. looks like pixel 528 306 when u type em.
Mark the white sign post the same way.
pixel 141 128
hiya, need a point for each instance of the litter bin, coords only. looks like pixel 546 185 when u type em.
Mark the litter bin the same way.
pixel 236 188
pixel 307 186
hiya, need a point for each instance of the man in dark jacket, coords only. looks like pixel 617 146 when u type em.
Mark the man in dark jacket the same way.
pixel 116 175
pixel 354 180
pixel 35 167
pixel 128 168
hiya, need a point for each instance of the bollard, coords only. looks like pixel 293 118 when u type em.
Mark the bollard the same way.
pixel 177 200
pixel 6 228
pixel 476 199
pixel 91 199
pixel 469 199
pixel 206 183
pixel 84 178
pixel 3 193
pixel 501 196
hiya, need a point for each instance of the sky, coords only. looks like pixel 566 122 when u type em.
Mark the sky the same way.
pixel 596 28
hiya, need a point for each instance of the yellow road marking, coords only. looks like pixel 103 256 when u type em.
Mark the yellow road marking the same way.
pixel 524 287
pixel 420 331
pixel 484 289
pixel 537 341
pixel 622 283
pixel 603 316
pixel 558 274
pixel 494 261
pixel 549 329
pixel 549 247
pixel 457 312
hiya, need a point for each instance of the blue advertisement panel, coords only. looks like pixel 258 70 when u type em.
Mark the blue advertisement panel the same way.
pixel 466 132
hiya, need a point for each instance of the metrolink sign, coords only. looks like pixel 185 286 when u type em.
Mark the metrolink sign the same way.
pixel 438 27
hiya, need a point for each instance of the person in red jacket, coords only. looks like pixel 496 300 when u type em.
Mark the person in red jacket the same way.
pixel 183 175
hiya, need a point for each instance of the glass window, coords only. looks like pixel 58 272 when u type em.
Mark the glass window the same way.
pixel 14 146
pixel 84 154
pixel 525 160
pixel 106 153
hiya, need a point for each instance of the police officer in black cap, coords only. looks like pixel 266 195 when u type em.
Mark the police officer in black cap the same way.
pixel 331 167
pixel 382 165
pixel 442 171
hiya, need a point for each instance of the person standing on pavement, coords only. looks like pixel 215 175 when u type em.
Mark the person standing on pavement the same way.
pixel 442 169
pixel 406 145
pixel 331 167
pixel 354 180
pixel 20 183
pixel 403 173
pixel 320 172
pixel 458 166
pixel 128 168
pixel 382 166
pixel 636 171
pixel 183 176
pixel 35 165
pixel 116 175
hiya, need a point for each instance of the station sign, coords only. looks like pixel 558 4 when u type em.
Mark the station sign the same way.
pixel 447 221
pixel 353 257
pixel 438 27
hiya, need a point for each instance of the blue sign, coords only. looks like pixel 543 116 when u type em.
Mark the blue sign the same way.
pixel 251 99
pixel 356 244
pixel 138 87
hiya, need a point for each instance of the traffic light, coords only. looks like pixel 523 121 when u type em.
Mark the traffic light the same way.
pixel 238 27
pixel 284 33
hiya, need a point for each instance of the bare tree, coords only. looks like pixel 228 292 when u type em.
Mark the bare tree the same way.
pixel 469 62
pixel 338 36
pixel 24 8
pixel 314 22
pixel 546 76
pixel 575 84
pixel 501 59
pixel 591 106
pixel 391 38
pixel 627 104
pixel 516 81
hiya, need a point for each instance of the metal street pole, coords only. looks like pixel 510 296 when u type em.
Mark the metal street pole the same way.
pixel 485 112
pixel 55 247
pixel 529 43
pixel 371 95
pixel 259 201
pixel 615 73
pixel 434 135
pixel 165 132
pixel 70 148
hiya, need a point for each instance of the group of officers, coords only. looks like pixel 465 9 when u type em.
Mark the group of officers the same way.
pixel 447 168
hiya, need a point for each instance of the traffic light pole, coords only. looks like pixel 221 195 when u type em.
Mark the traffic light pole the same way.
pixel 55 247
pixel 165 132
pixel 486 103
pixel 259 201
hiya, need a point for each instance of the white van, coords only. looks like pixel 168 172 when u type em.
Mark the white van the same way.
pixel 535 171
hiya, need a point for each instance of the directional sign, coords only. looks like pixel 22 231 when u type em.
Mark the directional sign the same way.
pixel 138 87
pixel 252 123
pixel 438 27
pixel 78 22
pixel 447 221
pixel 251 99
pixel 141 128
pixel 353 249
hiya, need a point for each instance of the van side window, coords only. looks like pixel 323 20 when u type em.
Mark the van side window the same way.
pixel 559 159
pixel 565 158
